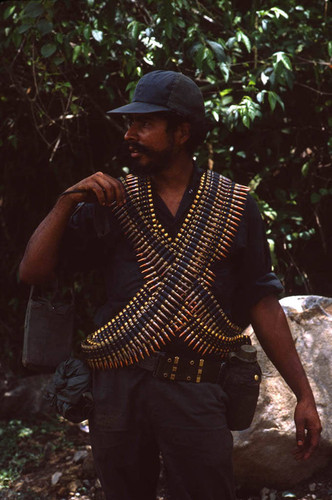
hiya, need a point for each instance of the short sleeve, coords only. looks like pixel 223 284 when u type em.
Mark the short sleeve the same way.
pixel 86 240
pixel 256 278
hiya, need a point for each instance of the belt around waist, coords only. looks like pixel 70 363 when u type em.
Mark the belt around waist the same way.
pixel 168 366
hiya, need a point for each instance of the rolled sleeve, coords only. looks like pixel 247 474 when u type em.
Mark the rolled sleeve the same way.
pixel 85 240
pixel 256 278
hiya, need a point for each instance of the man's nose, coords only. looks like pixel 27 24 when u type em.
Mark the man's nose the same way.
pixel 131 134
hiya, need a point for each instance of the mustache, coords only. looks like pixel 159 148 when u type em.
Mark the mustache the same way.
pixel 124 150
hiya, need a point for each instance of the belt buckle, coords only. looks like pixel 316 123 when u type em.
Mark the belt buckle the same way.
pixel 166 367
pixel 170 367
pixel 199 370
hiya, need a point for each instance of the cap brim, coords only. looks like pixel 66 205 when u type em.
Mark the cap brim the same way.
pixel 139 107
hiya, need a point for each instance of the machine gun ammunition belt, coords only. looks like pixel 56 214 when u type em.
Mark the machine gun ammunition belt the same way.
pixel 176 297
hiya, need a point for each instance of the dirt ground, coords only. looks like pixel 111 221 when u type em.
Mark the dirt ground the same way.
pixel 67 472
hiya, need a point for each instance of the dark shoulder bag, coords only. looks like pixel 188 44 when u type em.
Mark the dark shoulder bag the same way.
pixel 48 329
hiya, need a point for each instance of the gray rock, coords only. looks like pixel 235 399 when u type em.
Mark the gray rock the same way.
pixel 273 495
pixel 80 455
pixel 55 478
pixel 263 453
pixel 265 493
pixel 24 397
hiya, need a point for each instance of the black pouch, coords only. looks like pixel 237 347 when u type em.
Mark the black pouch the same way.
pixel 70 390
pixel 241 380
pixel 48 329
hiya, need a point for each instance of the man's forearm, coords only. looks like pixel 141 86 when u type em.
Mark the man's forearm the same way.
pixel 41 255
pixel 272 330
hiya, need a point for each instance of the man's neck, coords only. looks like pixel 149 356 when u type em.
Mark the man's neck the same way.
pixel 176 177
pixel 172 182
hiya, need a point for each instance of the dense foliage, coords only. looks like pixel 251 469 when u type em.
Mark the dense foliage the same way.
pixel 264 69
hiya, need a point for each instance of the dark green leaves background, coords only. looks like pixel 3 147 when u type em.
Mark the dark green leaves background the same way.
pixel 264 68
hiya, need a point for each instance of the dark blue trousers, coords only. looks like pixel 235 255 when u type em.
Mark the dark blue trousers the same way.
pixel 137 416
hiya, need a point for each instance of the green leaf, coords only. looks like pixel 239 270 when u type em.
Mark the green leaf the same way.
pixel 24 28
pixel 279 12
pixel 284 59
pixel 246 121
pixel 9 11
pixel 87 32
pixel 230 42
pixel 315 198
pixel 264 78
pixel 242 37
pixel 44 27
pixel 224 92
pixel 17 39
pixel 218 50
pixel 199 56
pixel 135 28
pixel 168 29
pixel 76 52
pixel 97 35
pixel 225 71
pixel 260 96
pixel 13 140
pixel 289 77
pixel 48 49
pixel 272 100
pixel 329 48
pixel 305 169
pixel 131 86
pixel 58 60
pixel 33 9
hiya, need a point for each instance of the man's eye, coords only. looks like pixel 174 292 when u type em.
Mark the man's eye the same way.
pixel 145 123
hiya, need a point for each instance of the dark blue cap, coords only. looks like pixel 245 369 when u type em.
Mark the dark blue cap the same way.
pixel 166 91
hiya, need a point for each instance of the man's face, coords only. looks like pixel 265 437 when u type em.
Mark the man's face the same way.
pixel 151 146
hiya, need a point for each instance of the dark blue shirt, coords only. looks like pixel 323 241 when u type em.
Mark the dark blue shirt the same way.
pixel 94 239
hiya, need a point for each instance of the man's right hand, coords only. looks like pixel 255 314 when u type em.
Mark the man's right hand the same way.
pixel 98 187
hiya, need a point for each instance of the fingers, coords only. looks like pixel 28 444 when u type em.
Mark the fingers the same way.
pixel 107 189
pixel 300 439
pixel 100 186
pixel 300 433
pixel 116 191
pixel 306 448
pixel 308 430
pixel 312 444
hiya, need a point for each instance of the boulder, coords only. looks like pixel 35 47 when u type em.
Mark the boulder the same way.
pixel 263 453
pixel 23 397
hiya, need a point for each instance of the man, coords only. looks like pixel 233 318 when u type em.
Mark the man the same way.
pixel 187 267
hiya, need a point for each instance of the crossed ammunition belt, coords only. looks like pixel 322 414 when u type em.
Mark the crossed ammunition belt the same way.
pixel 176 298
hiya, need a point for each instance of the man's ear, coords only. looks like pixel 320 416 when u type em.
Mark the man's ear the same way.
pixel 183 132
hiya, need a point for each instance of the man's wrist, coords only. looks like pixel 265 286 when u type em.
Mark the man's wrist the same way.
pixel 67 201
pixel 305 396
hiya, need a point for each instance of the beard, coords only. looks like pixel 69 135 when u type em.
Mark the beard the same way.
pixel 158 160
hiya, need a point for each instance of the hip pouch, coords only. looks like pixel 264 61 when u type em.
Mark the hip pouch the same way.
pixel 241 380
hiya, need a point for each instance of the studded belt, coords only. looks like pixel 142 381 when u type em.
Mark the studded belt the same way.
pixel 168 366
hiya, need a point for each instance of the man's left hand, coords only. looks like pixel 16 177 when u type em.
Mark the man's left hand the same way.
pixel 308 429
